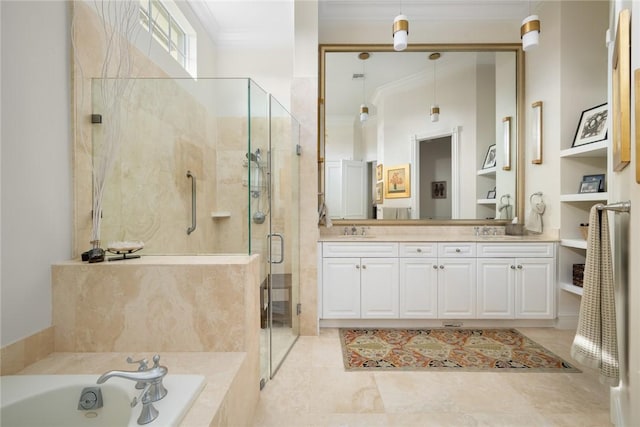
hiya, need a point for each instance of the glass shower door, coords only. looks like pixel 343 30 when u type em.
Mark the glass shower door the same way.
pixel 284 268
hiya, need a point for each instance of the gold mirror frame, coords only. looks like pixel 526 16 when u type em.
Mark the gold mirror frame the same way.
pixel 520 131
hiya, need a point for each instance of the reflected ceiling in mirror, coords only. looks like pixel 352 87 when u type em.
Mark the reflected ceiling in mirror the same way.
pixel 398 164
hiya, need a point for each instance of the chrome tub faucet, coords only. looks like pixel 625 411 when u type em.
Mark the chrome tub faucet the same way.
pixel 149 379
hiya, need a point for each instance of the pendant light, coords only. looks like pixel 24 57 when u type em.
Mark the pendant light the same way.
pixel 400 31
pixel 364 110
pixel 435 109
pixel 530 31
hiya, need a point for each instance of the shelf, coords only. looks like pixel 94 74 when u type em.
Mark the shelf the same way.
pixel 596 149
pixel 574 243
pixel 487 171
pixel 584 197
pixel 571 288
pixel 486 201
pixel 220 214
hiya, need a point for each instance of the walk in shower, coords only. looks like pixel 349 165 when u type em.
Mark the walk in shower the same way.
pixel 206 166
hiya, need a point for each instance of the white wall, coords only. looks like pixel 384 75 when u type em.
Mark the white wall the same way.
pixel 36 160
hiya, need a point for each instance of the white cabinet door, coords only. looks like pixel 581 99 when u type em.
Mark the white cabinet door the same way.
pixel 354 189
pixel 341 288
pixel 456 288
pixel 535 291
pixel 496 278
pixel 419 288
pixel 379 288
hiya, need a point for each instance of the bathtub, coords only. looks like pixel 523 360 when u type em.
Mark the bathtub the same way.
pixel 52 400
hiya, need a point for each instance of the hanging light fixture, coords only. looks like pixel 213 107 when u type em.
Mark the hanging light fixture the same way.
pixel 364 110
pixel 530 31
pixel 400 31
pixel 435 109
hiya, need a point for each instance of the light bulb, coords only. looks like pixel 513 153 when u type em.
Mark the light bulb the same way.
pixel 364 113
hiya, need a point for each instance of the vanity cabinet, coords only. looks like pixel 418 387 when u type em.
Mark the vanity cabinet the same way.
pixel 516 280
pixel 438 280
pixel 360 280
pixel 456 280
pixel 418 281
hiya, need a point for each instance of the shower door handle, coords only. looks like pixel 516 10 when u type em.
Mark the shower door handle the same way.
pixel 269 236
pixel 193 203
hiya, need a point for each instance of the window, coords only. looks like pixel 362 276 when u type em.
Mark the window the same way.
pixel 166 30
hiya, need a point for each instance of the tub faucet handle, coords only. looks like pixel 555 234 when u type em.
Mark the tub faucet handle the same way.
pixel 143 364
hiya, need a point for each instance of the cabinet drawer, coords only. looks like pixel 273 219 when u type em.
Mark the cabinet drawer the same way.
pixel 511 250
pixel 419 250
pixel 358 249
pixel 456 249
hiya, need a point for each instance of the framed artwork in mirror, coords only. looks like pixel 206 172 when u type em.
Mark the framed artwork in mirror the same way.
pixel 592 126
pixel 490 158
pixel 621 94
pixel 439 189
pixel 379 172
pixel 397 183
pixel 379 192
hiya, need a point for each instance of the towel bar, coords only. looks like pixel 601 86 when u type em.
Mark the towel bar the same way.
pixel 617 207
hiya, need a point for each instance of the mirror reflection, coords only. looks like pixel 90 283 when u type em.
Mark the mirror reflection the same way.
pixel 426 134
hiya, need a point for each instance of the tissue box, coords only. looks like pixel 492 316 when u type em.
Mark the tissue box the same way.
pixel 514 229
pixel 578 274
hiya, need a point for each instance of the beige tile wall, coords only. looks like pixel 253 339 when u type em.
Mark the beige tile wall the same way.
pixel 15 357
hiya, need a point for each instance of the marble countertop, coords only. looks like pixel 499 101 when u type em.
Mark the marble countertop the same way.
pixel 437 238
pixel 219 370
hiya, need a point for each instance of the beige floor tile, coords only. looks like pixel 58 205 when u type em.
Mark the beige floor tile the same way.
pixel 313 389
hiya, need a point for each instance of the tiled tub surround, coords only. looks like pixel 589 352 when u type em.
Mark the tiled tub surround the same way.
pixel 167 305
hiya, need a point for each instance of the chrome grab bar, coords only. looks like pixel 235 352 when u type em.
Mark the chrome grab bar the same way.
pixel 616 207
pixel 193 203
pixel 281 248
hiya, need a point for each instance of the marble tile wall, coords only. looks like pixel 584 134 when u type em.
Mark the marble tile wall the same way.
pixel 15 357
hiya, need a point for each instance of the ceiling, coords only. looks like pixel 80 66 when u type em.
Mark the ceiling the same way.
pixel 270 22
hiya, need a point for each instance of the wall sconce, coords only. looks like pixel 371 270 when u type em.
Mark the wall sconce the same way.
pixel 506 137
pixel 537 132
pixel 530 32
pixel 400 32
pixel 435 109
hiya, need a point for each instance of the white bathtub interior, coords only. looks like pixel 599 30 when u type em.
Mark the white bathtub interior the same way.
pixel 52 400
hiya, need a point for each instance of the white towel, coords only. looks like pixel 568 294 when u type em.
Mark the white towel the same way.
pixel 595 344
pixel 534 222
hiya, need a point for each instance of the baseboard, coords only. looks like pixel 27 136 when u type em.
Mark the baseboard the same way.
pixel 567 321
pixel 435 323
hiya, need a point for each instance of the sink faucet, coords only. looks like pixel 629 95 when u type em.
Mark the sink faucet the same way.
pixel 354 230
pixel 153 388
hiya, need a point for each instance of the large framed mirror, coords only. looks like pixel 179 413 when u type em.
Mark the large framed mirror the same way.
pixel 430 135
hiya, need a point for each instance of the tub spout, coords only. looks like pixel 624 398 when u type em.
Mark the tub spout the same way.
pixel 152 376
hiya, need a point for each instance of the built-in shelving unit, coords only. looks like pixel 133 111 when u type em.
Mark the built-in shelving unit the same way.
pixel 588 159
pixel 486 208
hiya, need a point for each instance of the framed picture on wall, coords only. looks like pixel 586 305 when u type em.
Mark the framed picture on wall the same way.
pixel 397 183
pixel 379 172
pixel 439 189
pixel 379 192
pixel 490 158
pixel 592 126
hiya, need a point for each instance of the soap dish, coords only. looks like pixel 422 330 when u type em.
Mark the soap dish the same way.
pixel 124 249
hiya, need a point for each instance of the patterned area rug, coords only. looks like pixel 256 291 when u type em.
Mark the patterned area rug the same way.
pixel 503 350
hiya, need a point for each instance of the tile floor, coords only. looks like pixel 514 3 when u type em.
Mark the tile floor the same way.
pixel 313 389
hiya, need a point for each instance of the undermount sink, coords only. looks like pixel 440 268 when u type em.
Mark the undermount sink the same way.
pixel 355 237
pixel 498 237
